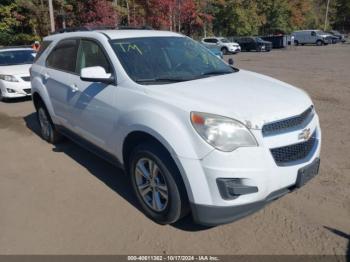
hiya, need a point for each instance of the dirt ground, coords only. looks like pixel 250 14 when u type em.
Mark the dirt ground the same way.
pixel 64 200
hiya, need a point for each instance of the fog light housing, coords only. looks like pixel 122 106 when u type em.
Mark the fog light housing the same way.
pixel 231 188
pixel 10 90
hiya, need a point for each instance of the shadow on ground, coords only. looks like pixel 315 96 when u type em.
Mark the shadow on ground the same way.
pixel 343 235
pixel 110 175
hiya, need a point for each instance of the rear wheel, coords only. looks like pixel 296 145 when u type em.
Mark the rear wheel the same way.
pixel 47 128
pixel 157 184
pixel 296 42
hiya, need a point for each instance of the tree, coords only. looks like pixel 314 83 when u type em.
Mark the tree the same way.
pixel 95 13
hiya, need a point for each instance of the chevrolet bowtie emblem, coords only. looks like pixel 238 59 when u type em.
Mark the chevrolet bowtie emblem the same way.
pixel 305 134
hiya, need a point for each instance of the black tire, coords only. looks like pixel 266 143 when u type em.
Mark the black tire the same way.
pixel 48 130
pixel 319 42
pixel 177 202
pixel 2 99
pixel 224 50
pixel 296 42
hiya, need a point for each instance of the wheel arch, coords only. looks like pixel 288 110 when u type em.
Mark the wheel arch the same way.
pixel 134 138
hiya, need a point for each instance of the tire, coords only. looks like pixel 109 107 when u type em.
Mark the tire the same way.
pixel 319 43
pixel 224 50
pixel 296 42
pixel 1 97
pixel 162 195
pixel 47 128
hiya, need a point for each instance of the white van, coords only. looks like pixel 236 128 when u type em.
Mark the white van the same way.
pixel 317 37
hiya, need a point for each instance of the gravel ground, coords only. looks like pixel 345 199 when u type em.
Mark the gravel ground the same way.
pixel 64 200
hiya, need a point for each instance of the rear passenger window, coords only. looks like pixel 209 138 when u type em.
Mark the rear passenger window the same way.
pixel 90 54
pixel 64 56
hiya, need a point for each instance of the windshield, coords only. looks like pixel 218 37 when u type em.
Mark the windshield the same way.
pixel 17 57
pixel 258 39
pixel 162 60
pixel 224 40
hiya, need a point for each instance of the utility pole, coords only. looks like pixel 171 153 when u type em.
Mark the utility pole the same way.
pixel 325 20
pixel 52 19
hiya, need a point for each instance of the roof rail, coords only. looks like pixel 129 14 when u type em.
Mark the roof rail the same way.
pixel 93 28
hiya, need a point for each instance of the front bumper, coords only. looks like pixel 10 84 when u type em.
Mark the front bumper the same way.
pixel 21 89
pixel 234 49
pixel 254 167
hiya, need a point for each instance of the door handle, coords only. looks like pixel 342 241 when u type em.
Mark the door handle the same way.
pixel 46 76
pixel 74 88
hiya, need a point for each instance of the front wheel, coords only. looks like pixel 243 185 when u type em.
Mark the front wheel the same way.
pixel 224 50
pixel 47 128
pixel 319 43
pixel 157 184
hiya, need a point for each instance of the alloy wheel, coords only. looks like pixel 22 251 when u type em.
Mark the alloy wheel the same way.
pixel 151 184
pixel 44 123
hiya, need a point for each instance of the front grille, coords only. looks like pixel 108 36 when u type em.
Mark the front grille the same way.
pixel 286 155
pixel 27 90
pixel 26 78
pixel 289 124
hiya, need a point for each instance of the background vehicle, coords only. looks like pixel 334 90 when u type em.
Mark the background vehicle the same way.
pixel 337 34
pixel 179 120
pixel 316 37
pixel 215 50
pixel 254 43
pixel 223 43
pixel 14 72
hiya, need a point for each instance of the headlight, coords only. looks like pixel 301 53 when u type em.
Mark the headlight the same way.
pixel 8 78
pixel 223 133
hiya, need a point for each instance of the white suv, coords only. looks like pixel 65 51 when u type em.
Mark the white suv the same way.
pixel 193 133
pixel 223 43
pixel 14 72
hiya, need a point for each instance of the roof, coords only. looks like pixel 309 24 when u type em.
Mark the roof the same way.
pixel 116 34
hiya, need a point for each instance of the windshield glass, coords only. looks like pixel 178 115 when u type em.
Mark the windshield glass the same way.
pixel 17 57
pixel 162 60
pixel 258 39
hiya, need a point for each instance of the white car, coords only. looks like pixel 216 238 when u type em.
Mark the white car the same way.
pixel 194 134
pixel 223 43
pixel 14 72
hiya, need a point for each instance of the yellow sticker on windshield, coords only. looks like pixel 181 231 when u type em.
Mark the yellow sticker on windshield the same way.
pixel 127 47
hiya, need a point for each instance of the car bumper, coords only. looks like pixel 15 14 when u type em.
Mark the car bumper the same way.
pixel 21 89
pixel 234 49
pixel 253 167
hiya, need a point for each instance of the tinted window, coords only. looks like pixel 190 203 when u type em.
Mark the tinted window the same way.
pixel 63 57
pixel 152 60
pixel 44 45
pixel 17 57
pixel 91 54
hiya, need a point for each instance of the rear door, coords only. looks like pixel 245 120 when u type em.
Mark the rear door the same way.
pixel 58 76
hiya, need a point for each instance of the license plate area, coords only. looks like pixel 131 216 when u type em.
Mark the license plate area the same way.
pixel 306 173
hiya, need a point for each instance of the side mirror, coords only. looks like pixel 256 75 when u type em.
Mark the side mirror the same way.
pixel 230 61
pixel 96 74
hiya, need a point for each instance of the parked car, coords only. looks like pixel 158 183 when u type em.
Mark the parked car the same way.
pixel 215 50
pixel 340 36
pixel 14 72
pixel 316 37
pixel 193 133
pixel 224 44
pixel 254 43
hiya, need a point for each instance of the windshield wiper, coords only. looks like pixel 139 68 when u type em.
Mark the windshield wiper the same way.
pixel 215 73
pixel 165 80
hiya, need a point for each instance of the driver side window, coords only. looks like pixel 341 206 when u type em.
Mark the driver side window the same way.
pixel 90 54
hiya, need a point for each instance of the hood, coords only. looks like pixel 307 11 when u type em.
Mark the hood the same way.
pixel 249 97
pixel 15 69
